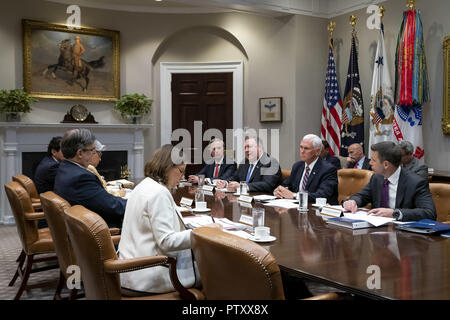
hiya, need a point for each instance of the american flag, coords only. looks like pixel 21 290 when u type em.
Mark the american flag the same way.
pixel 332 107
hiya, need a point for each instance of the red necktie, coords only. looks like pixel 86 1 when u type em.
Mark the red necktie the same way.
pixel 216 172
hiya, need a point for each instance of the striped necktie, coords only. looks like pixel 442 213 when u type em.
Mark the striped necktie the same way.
pixel 305 179
pixel 249 173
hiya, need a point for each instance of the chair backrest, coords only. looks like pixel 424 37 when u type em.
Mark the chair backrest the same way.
pixel 28 184
pixel 54 206
pixel 91 242
pixel 441 197
pixel 351 181
pixel 234 268
pixel 343 161
pixel 285 174
pixel 20 203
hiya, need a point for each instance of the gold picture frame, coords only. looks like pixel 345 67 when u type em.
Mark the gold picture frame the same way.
pixel 446 104
pixel 52 69
pixel 271 109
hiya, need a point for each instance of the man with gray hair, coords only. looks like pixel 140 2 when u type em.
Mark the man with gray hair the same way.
pixel 312 174
pixel 411 163
pixel 77 185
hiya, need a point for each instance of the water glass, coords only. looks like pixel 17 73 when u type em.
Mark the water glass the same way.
pixel 199 197
pixel 201 180
pixel 302 197
pixel 243 187
pixel 258 217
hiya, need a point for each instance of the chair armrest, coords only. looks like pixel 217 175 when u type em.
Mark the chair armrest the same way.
pixel 114 231
pixel 34 215
pixel 37 206
pixel 115 239
pixel 127 265
pixel 447 222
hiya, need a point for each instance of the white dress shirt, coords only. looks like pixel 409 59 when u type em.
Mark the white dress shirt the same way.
pixel 393 184
pixel 360 163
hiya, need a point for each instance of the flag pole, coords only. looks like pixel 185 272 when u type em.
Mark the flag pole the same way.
pixel 330 28
pixel 352 21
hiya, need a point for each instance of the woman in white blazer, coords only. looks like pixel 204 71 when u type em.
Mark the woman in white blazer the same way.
pixel 153 226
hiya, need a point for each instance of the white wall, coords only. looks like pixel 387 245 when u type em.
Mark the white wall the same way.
pixel 436 26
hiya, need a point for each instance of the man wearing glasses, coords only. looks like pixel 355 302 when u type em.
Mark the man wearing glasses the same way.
pixel 79 186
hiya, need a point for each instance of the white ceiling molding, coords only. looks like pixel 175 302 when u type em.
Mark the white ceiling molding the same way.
pixel 316 8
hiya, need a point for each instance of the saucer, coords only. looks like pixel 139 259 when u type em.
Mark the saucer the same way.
pixel 201 210
pixel 268 239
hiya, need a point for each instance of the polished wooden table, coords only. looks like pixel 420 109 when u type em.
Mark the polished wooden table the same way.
pixel 412 266
pixel 439 176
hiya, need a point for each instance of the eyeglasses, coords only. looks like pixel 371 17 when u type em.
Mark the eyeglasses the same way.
pixel 99 153
pixel 90 150
pixel 181 171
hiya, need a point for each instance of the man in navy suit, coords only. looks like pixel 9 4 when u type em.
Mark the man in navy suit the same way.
pixel 77 185
pixel 394 192
pixel 219 167
pixel 261 172
pixel 325 155
pixel 44 177
pixel 311 174
pixel 356 158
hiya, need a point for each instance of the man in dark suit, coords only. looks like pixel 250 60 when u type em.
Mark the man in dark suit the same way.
pixel 259 170
pixel 77 185
pixel 44 177
pixel 319 178
pixel 356 158
pixel 219 167
pixel 325 155
pixel 393 191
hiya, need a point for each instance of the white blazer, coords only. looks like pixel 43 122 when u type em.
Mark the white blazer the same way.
pixel 152 226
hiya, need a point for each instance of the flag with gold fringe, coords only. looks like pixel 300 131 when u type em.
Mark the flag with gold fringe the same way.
pixel 382 97
pixel 411 82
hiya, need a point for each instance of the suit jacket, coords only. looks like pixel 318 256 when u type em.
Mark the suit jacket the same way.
pixel 416 167
pixel 260 180
pixel 413 196
pixel 152 227
pixel 226 170
pixel 44 177
pixel 333 160
pixel 366 164
pixel 322 182
pixel 79 186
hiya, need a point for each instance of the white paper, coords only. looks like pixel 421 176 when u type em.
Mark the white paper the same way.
pixel 239 233
pixel 282 203
pixel 264 197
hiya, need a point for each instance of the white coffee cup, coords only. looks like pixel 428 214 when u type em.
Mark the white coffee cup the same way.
pixel 200 205
pixel 321 201
pixel 262 233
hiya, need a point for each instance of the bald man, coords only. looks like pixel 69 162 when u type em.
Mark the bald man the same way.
pixel 356 158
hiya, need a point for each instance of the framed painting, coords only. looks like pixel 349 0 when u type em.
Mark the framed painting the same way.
pixel 270 109
pixel 63 63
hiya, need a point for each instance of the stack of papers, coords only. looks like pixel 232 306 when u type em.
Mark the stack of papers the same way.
pixel 121 182
pixel 373 220
pixel 282 203
pixel 229 226
pixel 264 197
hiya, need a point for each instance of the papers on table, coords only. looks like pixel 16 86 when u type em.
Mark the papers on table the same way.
pixel 264 197
pixel 227 225
pixel 282 203
pixel 373 220
pixel 121 182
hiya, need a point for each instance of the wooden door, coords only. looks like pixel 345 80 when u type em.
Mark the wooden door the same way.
pixel 206 97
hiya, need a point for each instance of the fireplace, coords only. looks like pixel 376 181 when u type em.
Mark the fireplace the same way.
pixel 109 167
pixel 23 145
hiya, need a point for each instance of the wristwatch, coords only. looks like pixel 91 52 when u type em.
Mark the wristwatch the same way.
pixel 397 214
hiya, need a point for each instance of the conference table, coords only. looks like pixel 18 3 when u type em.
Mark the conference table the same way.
pixel 377 263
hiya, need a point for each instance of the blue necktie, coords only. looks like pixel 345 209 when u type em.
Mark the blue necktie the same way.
pixel 249 173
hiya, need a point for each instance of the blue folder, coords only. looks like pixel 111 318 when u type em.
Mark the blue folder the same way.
pixel 425 226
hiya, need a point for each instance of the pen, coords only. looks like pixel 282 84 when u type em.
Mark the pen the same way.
pixel 213 219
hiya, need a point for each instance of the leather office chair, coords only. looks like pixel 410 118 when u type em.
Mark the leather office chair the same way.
pixel 100 267
pixel 34 241
pixel 29 185
pixel 235 268
pixel 441 197
pixel 285 174
pixel 351 181
pixel 54 206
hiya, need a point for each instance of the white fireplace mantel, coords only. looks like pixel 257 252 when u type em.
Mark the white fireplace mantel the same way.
pixel 18 137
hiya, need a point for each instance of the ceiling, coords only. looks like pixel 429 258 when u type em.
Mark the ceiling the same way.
pixel 316 8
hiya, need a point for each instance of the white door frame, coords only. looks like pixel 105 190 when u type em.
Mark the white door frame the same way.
pixel 166 70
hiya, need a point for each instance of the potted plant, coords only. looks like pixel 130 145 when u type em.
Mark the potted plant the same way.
pixel 14 102
pixel 133 106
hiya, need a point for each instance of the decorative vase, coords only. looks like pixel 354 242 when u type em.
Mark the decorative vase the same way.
pixel 12 116
pixel 134 118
